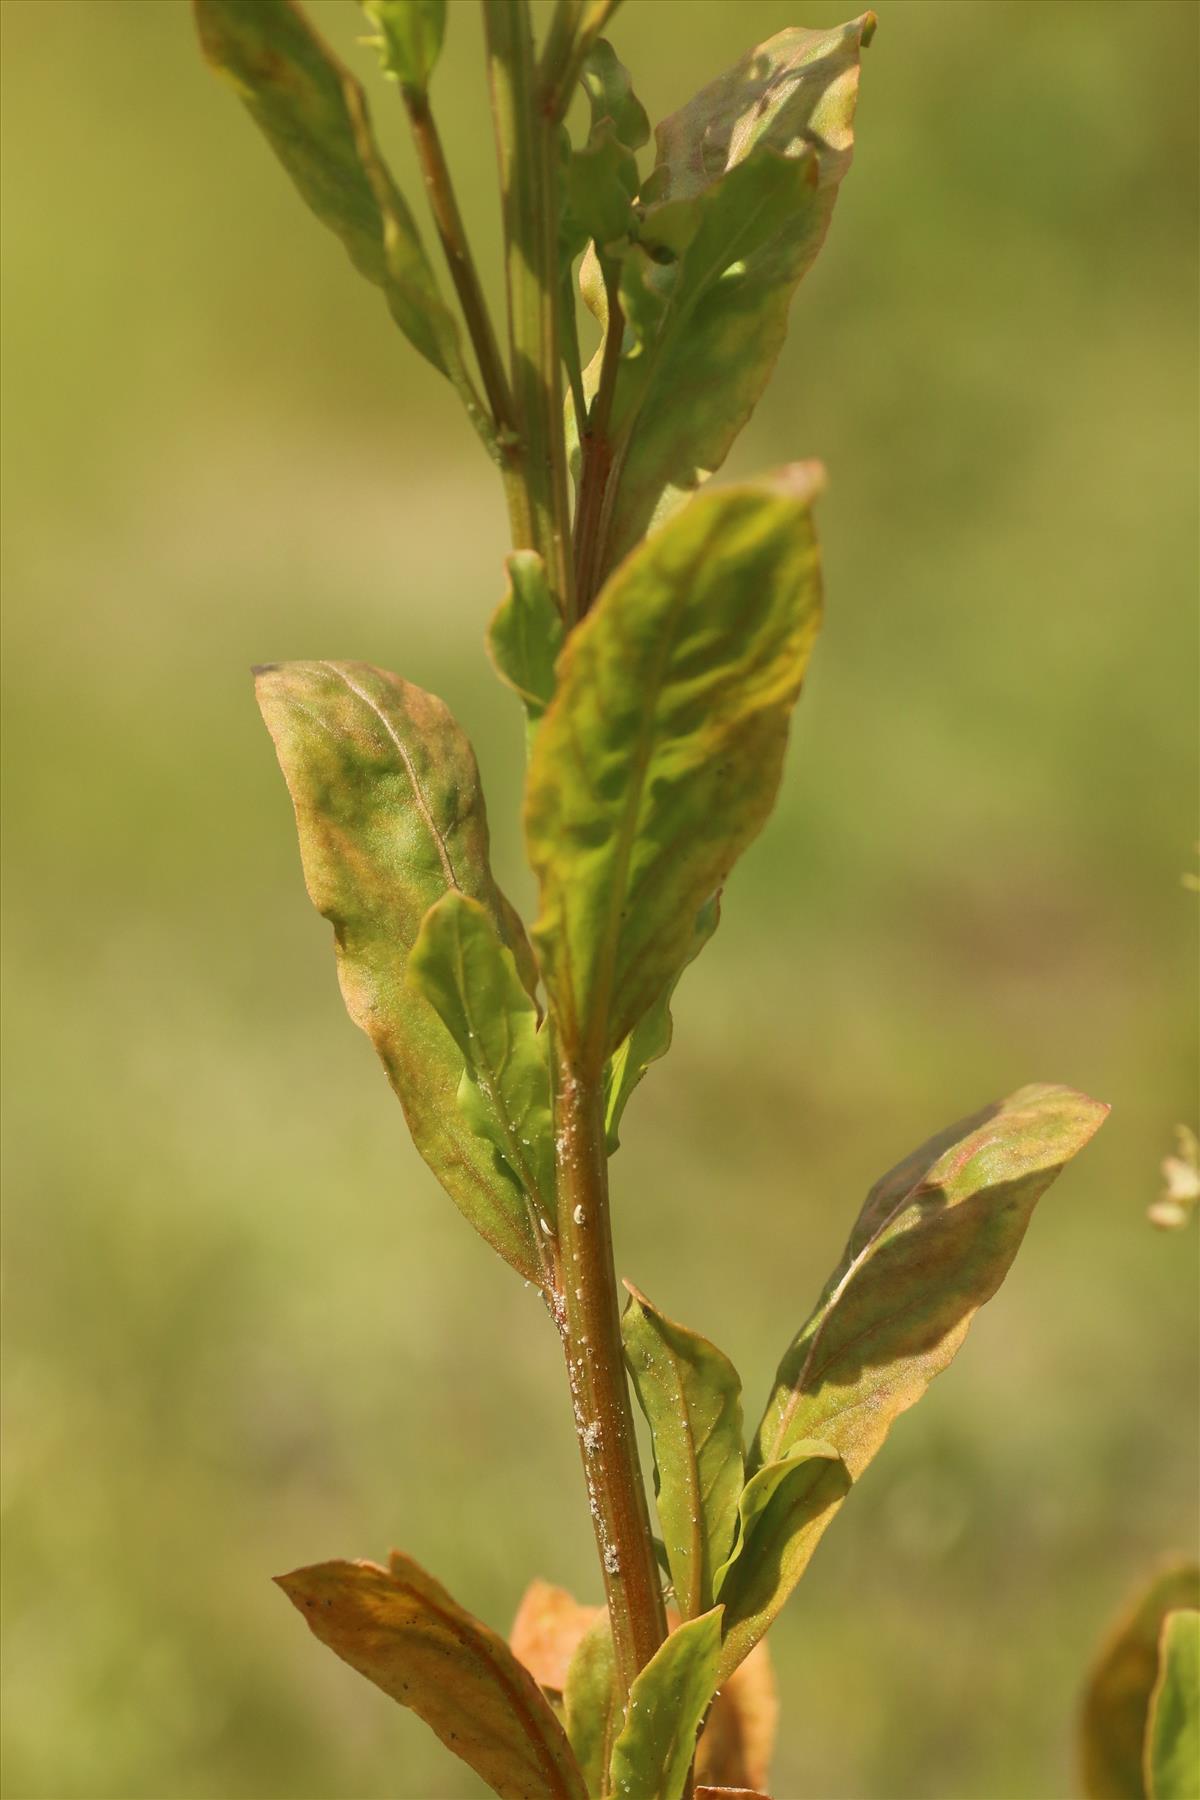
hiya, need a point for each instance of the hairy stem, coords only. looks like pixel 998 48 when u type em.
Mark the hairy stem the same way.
pixel 527 148
pixel 599 1387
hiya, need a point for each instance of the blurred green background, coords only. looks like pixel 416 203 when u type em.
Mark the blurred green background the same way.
pixel 244 1328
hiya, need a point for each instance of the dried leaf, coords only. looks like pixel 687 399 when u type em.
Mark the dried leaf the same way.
pixel 400 1628
pixel 547 1631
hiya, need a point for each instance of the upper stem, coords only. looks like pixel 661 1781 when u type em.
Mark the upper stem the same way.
pixel 448 219
pixel 527 145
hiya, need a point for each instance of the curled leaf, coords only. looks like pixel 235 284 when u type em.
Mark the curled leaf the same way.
pixel 401 1629
pixel 391 818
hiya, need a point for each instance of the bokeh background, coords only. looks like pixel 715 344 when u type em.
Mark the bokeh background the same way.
pixel 245 1330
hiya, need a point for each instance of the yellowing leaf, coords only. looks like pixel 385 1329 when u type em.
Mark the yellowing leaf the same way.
pixel 732 217
pixel 653 1754
pixel 692 1398
pixel 1116 1704
pixel 1173 1730
pixel 660 756
pixel 400 1628
pixel 391 818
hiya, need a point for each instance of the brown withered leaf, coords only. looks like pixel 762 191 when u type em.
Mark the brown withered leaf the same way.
pixel 400 1628
pixel 547 1631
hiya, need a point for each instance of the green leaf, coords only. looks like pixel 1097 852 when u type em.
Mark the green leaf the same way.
pixel 733 216
pixel 941 1230
pixel 1173 1732
pixel 667 1704
pixel 692 1398
pixel 782 1512
pixel 650 1038
pixel 593 1714
pixel 410 38
pixel 600 184
pixel 400 1628
pixel 469 976
pixel 314 115
pixel 659 758
pixel 526 634
pixel 1116 1703
pixel 391 817
pixel 609 89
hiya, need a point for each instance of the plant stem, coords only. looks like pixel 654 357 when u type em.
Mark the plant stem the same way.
pixel 528 115
pixel 444 206
pixel 599 1388
pixel 527 145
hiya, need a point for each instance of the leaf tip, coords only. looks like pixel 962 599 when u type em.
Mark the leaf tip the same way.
pixel 800 481
pixel 868 24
